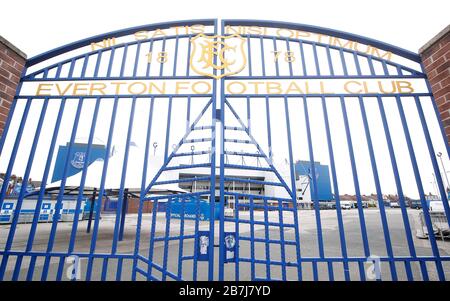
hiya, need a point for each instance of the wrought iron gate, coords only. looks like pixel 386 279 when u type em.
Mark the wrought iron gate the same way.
pixel 235 104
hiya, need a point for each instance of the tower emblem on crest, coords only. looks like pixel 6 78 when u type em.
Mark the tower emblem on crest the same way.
pixel 217 56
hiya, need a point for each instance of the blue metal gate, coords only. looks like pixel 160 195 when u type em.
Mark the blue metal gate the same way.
pixel 204 126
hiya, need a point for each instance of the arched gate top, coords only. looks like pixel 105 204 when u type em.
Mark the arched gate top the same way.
pixel 232 22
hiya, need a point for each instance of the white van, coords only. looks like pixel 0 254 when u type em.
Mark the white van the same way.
pixel 437 206
pixel 346 205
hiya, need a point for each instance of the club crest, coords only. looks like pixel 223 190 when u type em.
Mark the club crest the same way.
pixel 218 56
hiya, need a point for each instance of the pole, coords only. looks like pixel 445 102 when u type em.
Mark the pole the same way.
pixel 124 212
pixel 91 211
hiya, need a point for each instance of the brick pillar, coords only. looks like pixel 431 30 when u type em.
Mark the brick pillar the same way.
pixel 12 62
pixel 436 60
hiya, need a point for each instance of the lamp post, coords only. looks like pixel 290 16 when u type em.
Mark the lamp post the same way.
pixel 439 154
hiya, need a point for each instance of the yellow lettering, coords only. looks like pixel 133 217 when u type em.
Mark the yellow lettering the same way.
pixel 43 87
pixel 352 83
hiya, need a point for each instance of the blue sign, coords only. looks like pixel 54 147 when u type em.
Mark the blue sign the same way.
pixel 303 168
pixel 230 246
pixel 77 159
pixel 191 205
pixel 202 251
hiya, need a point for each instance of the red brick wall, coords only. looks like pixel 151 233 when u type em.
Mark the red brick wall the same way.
pixel 436 61
pixel 12 63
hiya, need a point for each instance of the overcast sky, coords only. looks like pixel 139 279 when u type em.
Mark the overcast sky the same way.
pixel 37 26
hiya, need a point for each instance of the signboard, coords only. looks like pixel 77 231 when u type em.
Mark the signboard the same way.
pixel 203 246
pixel 76 160
pixel 323 181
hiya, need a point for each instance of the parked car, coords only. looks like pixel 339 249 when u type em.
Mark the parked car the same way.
pixel 415 204
pixel 346 205
pixel 395 205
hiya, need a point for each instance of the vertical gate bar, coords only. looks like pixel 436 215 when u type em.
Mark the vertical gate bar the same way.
pixel 101 192
pixel 362 271
pixel 316 58
pixel 330 61
pixel 417 176
pixel 119 269
pixel 221 184
pixel 136 58
pixel 169 115
pixel 330 271
pixel 269 130
pixel 343 62
pixel 370 62
pixel 275 50
pixel 249 57
pixel 83 69
pixel 111 60
pixel 406 223
pixel 42 189
pixel 175 57
pixel 104 269
pixel 16 270
pixel 59 200
pixel 293 189
pixel 72 66
pixel 12 159
pixel 20 199
pixel 121 196
pixel 83 178
pixel 188 113
pixel 97 63
pixel 196 228
pixel 180 245
pixel 249 115
pixel 152 238
pixel 424 270
pixel 161 64
pixel 149 59
pixel 314 186
pixel 263 65
pixel 436 111
pixel 60 268
pixel 282 245
pixel 362 221
pixel 385 68
pixel 358 67
pixel 166 238
pixel 58 70
pixel 236 229
pixel 288 51
pixel 212 198
pixel 142 193
pixel 293 184
pixel 336 192
pixel 432 153
pixel 252 239
pixel 267 238
pixel 315 272
pixel 124 60
pixel 384 221
pixel 302 54
pixel 188 60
